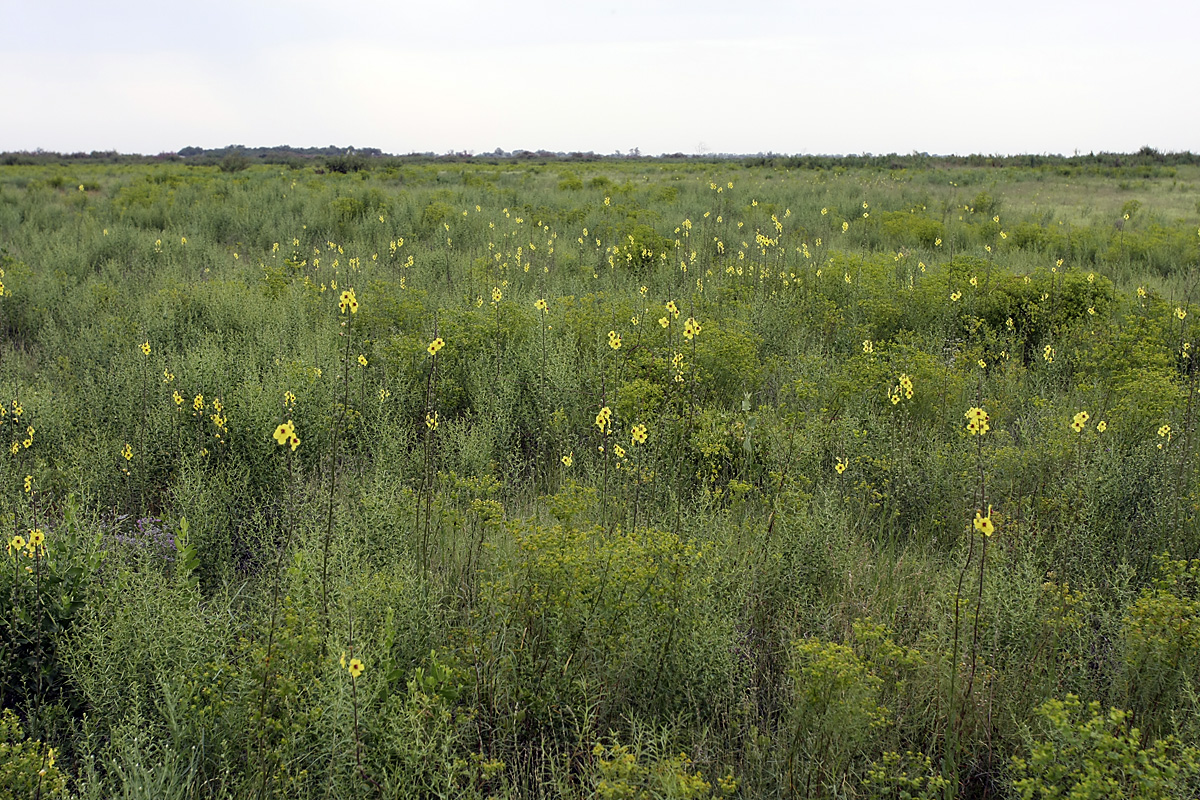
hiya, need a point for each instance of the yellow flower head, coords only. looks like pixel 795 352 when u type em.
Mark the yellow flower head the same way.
pixel 540 305
pixel 614 340
pixel 145 348
pixel 845 227
pixel 1102 426
pixel 639 434
pixel 436 345
pixel 362 360
pixel 16 543
pixel 568 459
pixel 356 668
pixel 1078 421
pixel 36 538
pixel 431 420
pixel 620 451
pixel 198 403
pixel 983 524
pixel 1141 291
pixel 177 397
pixel 28 483
pixel 496 294
pixel 690 328
pixel 127 452
pixel 284 432
pixel 868 346
pixel 673 309
pixel 1048 354
pixel 840 466
pixel 954 296
pixel 977 421
pixel 604 419
pixel 1180 313
pixel 1165 431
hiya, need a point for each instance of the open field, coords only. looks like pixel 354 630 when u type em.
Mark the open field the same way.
pixel 644 479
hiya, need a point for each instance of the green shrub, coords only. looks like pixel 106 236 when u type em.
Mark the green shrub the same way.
pixel 1086 753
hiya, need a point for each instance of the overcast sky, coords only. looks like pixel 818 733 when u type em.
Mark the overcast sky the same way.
pixel 743 76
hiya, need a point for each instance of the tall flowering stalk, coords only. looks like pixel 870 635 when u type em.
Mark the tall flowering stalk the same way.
pixel 978 425
pixel 348 306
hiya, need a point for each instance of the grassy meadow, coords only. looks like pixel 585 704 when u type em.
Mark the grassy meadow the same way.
pixel 599 480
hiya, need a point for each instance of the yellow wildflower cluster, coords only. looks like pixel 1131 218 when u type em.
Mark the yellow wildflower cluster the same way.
pixel 434 346
pixel 285 434
pixel 604 420
pixel 983 523
pixel 690 328
pixel 1079 421
pixel 639 434
pixel 347 302
pixel 977 421
pixel 35 545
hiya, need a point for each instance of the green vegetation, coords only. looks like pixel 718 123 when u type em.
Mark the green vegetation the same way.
pixel 617 479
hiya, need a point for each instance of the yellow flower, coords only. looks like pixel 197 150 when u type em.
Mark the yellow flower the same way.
pixel 37 538
pixel 28 483
pixel 620 451
pixel 435 345
pixel 845 227
pixel 937 242
pixel 673 309
pixel 284 432
pixel 362 360
pixel 496 294
pixel 356 668
pixel 540 305
pixel 1180 313
pixel 954 296
pixel 1048 354
pixel 690 328
pixel 1102 426
pixel 1165 430
pixel 568 459
pixel 977 421
pixel 614 340
pixel 16 448
pixel 347 301
pixel 664 321
pixel 177 397
pixel 983 524
pixel 145 348
pixel 127 452
pixel 974 281
pixel 840 466
pixel 604 419
pixel 639 434
pixel 16 543
pixel 168 376
pixel 431 420
pixel 868 346
pixel 294 441
pixel 1078 422
pixel 1141 291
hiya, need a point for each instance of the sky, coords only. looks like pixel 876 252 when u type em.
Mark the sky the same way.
pixel 755 76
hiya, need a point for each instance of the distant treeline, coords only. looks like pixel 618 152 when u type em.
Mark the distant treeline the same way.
pixel 355 159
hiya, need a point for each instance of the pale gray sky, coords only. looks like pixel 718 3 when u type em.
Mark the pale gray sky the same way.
pixel 742 77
